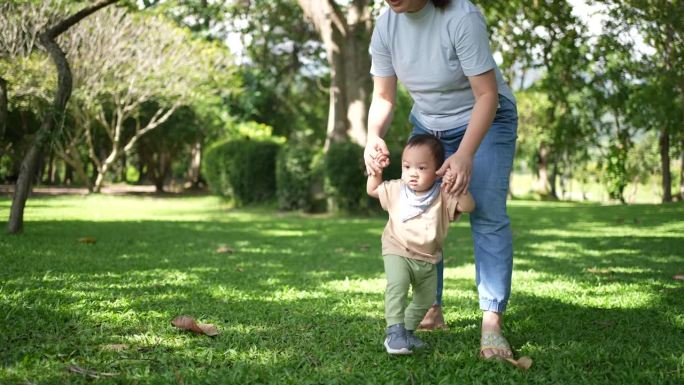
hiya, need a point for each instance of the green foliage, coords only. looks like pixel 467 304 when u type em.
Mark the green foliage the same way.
pixel 344 173
pixel 616 177
pixel 401 127
pixel 242 169
pixel 285 75
pixel 294 177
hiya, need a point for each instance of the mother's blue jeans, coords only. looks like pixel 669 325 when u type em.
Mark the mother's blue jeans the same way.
pixel 490 225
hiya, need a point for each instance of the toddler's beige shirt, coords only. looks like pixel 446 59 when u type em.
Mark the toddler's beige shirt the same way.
pixel 420 237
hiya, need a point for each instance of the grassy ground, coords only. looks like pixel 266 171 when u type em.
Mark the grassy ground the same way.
pixel 299 301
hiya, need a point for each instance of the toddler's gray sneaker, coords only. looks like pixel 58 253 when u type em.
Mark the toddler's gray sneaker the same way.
pixel 395 342
pixel 413 340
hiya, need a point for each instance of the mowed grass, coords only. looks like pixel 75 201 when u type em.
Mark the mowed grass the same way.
pixel 300 300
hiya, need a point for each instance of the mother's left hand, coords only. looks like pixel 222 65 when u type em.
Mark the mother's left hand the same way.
pixel 460 166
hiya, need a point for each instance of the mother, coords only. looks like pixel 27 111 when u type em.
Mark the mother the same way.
pixel 439 50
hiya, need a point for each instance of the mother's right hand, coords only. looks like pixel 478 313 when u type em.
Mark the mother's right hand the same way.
pixel 375 155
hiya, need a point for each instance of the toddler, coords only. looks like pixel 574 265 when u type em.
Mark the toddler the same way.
pixel 419 217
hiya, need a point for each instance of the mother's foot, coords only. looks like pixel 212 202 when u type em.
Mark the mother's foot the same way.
pixel 434 319
pixel 493 343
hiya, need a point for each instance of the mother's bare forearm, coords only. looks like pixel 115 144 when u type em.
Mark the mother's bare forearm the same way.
pixel 482 117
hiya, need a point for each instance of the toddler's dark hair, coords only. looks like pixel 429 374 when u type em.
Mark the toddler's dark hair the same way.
pixel 434 144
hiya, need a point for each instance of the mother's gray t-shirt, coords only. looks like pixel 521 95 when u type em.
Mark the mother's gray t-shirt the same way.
pixel 432 52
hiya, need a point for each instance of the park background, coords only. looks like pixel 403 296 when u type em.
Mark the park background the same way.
pixel 159 158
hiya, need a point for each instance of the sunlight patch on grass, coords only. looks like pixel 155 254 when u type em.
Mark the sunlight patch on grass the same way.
pixel 370 285
pixel 287 233
pixel 566 289
pixel 619 232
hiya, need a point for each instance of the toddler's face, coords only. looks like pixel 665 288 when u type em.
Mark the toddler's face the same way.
pixel 418 168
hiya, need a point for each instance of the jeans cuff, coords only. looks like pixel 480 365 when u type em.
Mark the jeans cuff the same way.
pixel 492 305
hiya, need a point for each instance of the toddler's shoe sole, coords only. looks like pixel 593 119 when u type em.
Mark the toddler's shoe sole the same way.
pixel 402 351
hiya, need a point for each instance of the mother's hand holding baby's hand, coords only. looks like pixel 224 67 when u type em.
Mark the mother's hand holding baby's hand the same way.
pixel 447 180
pixel 459 167
pixel 375 155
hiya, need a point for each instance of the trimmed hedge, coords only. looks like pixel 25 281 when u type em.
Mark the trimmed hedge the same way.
pixel 345 175
pixel 242 169
pixel 294 177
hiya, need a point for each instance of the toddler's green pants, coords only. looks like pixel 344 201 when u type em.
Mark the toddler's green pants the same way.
pixel 401 273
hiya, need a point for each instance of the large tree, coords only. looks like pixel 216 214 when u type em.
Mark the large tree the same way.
pixel 549 42
pixel 660 24
pixel 345 32
pixel 53 119
pixel 124 62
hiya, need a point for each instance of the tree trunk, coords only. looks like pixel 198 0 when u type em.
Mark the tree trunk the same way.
pixel 681 173
pixel 542 169
pixel 162 172
pixel 4 112
pixel 195 165
pixel 357 61
pixel 104 169
pixel 124 166
pixel 142 173
pixel 346 39
pixel 665 164
pixel 554 177
pixel 64 83
pixel 29 165
pixel 69 175
pixel 49 165
pixel 73 163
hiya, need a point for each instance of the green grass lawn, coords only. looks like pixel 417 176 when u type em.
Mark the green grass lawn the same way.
pixel 300 300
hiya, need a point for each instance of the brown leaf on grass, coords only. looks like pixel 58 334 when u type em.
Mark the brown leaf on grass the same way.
pixel 89 373
pixel 188 323
pixel 239 269
pixel 340 250
pixel 225 250
pixel 364 247
pixel 679 277
pixel 522 362
pixel 87 240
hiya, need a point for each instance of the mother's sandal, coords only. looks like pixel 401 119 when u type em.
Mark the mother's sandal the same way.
pixel 493 340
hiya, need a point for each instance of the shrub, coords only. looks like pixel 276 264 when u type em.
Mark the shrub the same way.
pixel 242 169
pixel 393 171
pixel 344 173
pixel 294 177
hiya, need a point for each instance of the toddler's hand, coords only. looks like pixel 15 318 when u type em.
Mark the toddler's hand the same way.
pixel 448 180
pixel 382 160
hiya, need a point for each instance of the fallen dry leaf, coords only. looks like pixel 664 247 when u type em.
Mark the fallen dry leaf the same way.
pixel 225 250
pixel 340 250
pixel 522 362
pixel 239 269
pixel 679 277
pixel 364 247
pixel 89 373
pixel 87 240
pixel 188 323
